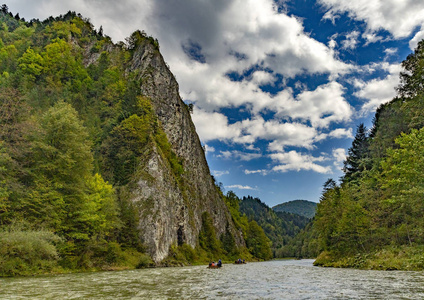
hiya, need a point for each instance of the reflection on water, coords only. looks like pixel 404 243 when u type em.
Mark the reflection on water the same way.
pixel 289 279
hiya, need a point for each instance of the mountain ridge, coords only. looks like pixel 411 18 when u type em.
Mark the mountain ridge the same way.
pixel 300 207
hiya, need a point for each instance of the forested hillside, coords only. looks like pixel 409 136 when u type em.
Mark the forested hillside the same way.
pixel 100 165
pixel 279 227
pixel 299 207
pixel 374 217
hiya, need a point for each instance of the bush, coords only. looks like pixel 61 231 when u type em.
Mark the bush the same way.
pixel 24 252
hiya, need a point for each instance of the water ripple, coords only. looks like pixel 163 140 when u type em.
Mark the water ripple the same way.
pixel 287 279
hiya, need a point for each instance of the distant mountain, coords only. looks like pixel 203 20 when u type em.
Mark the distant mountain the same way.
pixel 279 227
pixel 299 207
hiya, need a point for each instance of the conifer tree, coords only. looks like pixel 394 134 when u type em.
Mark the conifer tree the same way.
pixel 357 159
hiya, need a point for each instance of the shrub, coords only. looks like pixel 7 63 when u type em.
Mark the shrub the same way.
pixel 24 252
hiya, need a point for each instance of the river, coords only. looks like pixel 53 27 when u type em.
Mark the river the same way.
pixel 285 279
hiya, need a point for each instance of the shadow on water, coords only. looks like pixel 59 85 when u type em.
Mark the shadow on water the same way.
pixel 287 279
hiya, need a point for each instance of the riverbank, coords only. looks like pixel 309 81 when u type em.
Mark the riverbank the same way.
pixel 405 258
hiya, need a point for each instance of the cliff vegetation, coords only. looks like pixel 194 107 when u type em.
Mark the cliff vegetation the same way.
pixel 96 154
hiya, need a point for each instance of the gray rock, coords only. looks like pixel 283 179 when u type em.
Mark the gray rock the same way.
pixel 171 208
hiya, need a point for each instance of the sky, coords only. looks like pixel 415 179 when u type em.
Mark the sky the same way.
pixel 279 87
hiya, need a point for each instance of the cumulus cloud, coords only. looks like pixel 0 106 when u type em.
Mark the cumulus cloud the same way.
pixel 378 91
pixel 209 149
pixel 399 17
pixel 240 187
pixel 418 37
pixel 220 173
pixel 262 172
pixel 321 106
pixel 214 126
pixel 351 40
pixel 295 161
pixel 239 155
pixel 341 133
pixel 339 156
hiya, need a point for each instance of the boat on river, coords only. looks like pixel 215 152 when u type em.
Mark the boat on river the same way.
pixel 214 265
pixel 240 262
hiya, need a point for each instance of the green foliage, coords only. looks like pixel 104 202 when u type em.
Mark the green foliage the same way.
pixel 31 63
pixel 412 83
pixel 207 235
pixel 357 159
pixel 124 148
pixel 279 227
pixel 375 220
pixel 181 255
pixel 24 252
pixel 64 127
pixel 257 242
pixel 228 243
pixel 299 207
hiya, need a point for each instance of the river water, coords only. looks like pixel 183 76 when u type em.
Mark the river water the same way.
pixel 286 279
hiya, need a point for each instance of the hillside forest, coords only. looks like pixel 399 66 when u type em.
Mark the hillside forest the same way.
pixel 374 217
pixel 72 135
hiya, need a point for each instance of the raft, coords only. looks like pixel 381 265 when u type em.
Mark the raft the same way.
pixel 239 262
pixel 213 267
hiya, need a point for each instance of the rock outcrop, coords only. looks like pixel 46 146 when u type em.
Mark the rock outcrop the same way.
pixel 171 207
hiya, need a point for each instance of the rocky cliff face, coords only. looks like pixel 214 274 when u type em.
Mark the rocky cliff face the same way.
pixel 170 207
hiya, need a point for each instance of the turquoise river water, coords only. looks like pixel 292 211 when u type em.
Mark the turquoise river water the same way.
pixel 285 279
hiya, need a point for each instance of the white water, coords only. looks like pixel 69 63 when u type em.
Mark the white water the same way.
pixel 287 279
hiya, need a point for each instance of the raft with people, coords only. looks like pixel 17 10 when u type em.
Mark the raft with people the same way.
pixel 240 261
pixel 213 265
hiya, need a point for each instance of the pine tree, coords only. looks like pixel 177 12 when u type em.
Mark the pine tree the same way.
pixel 357 159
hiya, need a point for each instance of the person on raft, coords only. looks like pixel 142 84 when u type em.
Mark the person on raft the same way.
pixel 219 263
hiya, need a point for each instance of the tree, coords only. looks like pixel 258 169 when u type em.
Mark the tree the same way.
pixel 412 79
pixel 402 182
pixel 358 155
pixel 4 9
pixel 257 242
pixel 16 153
pixel 31 63
pixel 64 163
pixel 207 235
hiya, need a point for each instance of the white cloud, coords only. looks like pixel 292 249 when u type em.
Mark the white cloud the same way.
pixel 220 173
pixel 214 126
pixel 295 161
pixel 209 149
pixel 339 155
pixel 238 155
pixel 341 133
pixel 399 17
pixel 262 172
pixel 281 134
pixel 390 51
pixel 378 91
pixel 321 106
pixel 240 187
pixel 351 40
pixel 418 37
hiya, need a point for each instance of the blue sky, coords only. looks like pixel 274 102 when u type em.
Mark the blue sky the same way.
pixel 278 86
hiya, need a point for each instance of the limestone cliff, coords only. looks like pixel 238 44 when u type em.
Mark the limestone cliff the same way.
pixel 170 207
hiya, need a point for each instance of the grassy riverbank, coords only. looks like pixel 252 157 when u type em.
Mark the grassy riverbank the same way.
pixel 408 258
